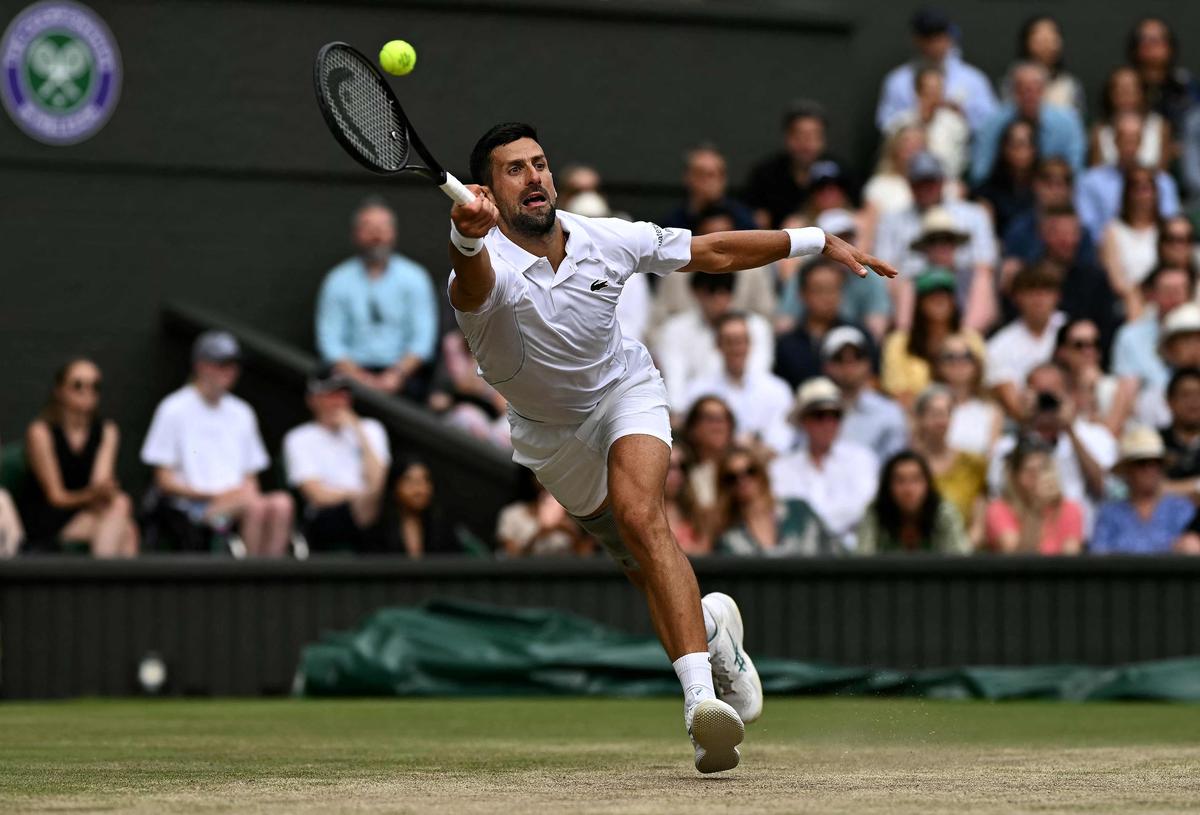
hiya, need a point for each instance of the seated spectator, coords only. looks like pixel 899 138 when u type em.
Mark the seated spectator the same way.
pixel 708 433
pixel 947 135
pixel 706 184
pixel 686 347
pixel 976 420
pixel 960 477
pixel 1083 452
pixel 1008 190
pixel 869 418
pixel 1027 341
pixel 1100 397
pixel 780 185
pixel 1135 348
pixel 1181 438
pixel 753 289
pixel 754 523
pixel 536 525
pixel 1150 521
pixel 1123 93
pixel 1129 248
pixel 908 514
pixel 830 188
pixel 421 528
pixel 1032 516
pixel 1179 348
pixel 760 400
pixel 206 451
pixel 463 398
pixel 836 478
pixel 1040 40
pixel 888 191
pixel 974 262
pixel 574 180
pixel 1099 191
pixel 906 368
pixel 967 87
pixel 1059 129
pixel 1176 243
pixel 376 314
pixel 680 508
pixel 798 351
pixel 864 300
pixel 338 463
pixel 1190 160
pixel 72 452
pixel 12 531
pixel 1154 52
pixel 1053 185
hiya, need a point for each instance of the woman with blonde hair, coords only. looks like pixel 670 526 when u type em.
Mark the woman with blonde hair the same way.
pixel 1031 516
pixel 975 419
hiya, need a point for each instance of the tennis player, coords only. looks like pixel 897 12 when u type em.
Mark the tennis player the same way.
pixel 535 292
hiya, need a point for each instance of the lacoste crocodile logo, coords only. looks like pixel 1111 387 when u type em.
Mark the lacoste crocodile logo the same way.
pixel 597 285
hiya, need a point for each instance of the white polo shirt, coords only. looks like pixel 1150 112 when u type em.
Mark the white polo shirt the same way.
pixel 550 341
pixel 1014 351
pixel 839 491
pixel 760 403
pixel 313 452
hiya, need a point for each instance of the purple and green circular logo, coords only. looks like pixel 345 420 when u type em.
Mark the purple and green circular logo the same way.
pixel 62 72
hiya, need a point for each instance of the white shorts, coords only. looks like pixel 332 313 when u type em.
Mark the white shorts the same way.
pixel 571 461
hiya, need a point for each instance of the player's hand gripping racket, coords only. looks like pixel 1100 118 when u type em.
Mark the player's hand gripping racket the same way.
pixel 367 120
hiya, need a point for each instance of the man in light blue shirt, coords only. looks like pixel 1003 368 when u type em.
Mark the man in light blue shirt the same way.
pixel 377 315
pixel 1060 131
pixel 1135 349
pixel 967 87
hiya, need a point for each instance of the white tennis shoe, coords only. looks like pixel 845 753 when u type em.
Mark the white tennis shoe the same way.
pixel 716 731
pixel 734 677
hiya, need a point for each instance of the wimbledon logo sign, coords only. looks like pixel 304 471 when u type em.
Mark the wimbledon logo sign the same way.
pixel 61 72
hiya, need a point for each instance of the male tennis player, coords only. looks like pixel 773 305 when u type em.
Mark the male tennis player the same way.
pixel 535 292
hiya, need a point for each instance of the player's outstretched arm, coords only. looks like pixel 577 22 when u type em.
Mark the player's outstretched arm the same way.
pixel 749 249
pixel 473 275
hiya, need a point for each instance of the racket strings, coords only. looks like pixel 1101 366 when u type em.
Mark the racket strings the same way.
pixel 363 109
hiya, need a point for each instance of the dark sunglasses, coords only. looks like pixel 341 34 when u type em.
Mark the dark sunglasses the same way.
pixel 734 476
pixel 1084 345
pixel 957 356
pixel 824 415
pixel 1176 238
pixel 81 385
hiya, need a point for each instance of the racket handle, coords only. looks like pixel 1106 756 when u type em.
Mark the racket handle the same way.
pixel 455 189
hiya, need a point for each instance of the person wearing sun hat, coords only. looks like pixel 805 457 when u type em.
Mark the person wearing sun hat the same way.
pixel 1149 521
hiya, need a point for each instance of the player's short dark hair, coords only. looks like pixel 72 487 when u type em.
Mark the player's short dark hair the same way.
pixel 497 136
pixel 815 265
pixel 805 109
pixel 712 283
pixel 1179 377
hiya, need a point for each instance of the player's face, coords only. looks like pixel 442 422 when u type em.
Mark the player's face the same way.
pixel 523 187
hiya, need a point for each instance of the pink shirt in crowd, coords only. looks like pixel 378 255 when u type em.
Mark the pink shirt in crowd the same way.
pixel 1058 526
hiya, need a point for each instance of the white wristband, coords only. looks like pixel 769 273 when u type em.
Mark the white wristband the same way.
pixel 468 246
pixel 807 241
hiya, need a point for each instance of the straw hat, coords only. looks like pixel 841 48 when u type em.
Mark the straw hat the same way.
pixel 1141 443
pixel 817 393
pixel 939 223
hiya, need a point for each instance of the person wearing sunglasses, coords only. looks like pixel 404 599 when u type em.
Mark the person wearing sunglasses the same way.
pixel 975 420
pixel 1101 397
pixel 754 523
pixel 74 496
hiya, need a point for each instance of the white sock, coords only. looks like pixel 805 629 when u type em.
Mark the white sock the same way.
pixel 710 625
pixel 695 675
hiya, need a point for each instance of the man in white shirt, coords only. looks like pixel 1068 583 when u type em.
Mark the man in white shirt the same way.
pixel 338 462
pixel 760 401
pixel 870 418
pixel 1027 341
pixel 535 293
pixel 206 452
pixel 837 478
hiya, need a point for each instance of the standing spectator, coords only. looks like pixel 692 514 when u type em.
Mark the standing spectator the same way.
pixel 908 514
pixel 686 347
pixel 1129 248
pixel 1150 520
pixel 907 355
pixel 1008 191
pixel 1068 254
pixel 1099 191
pixel 1101 397
pixel 206 451
pixel 708 433
pixel 420 526
pixel 1059 129
pixel 1032 516
pixel 836 478
pixel 760 400
pixel 888 191
pixel 780 185
pixel 947 134
pixel 1181 438
pixel 1153 51
pixel 74 495
pixel 967 87
pixel 1135 349
pixel 338 463
pixel 680 507
pixel 960 477
pixel 376 313
pixel 1123 93
pixel 869 418
pixel 1040 40
pixel 976 420
pixel 536 525
pixel 706 184
pixel 754 523
pixel 798 352
pixel 1027 341
pixel 1052 190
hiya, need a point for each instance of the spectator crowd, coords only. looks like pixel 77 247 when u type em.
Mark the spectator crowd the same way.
pixel 1030 383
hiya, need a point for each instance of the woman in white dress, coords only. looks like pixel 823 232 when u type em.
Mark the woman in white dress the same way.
pixel 1129 248
pixel 1123 93
pixel 976 420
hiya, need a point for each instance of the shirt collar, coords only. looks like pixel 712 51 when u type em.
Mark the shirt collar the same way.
pixel 580 245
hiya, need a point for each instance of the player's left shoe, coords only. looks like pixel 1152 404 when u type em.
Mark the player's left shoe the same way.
pixel 716 731
pixel 734 677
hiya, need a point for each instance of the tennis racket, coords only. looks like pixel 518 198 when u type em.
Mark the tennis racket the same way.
pixel 367 120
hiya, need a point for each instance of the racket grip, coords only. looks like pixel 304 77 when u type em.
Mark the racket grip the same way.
pixel 455 189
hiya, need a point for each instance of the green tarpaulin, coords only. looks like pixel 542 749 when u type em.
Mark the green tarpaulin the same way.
pixel 449 648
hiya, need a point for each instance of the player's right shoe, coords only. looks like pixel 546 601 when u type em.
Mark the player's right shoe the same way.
pixel 734 676
pixel 716 731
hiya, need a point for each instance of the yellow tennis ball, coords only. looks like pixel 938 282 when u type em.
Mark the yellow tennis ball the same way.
pixel 397 57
